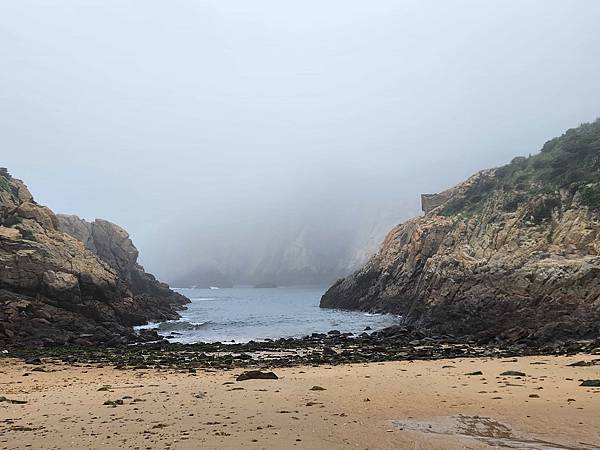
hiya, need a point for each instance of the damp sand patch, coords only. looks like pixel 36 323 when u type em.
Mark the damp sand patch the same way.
pixel 486 430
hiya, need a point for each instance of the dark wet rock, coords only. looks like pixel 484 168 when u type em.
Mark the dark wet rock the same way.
pixel 590 383
pixel 33 361
pixel 513 373
pixel 317 388
pixel 328 351
pixel 14 402
pixel 256 375
pixel 594 362
pixel 148 335
pixel 384 345
pixel 478 372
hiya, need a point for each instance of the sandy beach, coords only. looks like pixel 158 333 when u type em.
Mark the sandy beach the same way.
pixel 415 405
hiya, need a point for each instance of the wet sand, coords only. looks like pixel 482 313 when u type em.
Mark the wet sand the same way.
pixel 391 405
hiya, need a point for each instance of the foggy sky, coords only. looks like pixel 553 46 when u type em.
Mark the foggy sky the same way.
pixel 210 126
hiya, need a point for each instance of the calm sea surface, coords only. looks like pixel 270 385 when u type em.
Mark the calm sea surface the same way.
pixel 243 314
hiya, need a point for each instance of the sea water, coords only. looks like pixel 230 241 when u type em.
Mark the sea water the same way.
pixel 243 314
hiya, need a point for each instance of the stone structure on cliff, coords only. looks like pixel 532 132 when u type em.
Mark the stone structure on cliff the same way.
pixel 55 289
pixel 512 253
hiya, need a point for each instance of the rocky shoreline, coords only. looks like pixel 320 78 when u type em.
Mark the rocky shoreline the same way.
pixel 398 343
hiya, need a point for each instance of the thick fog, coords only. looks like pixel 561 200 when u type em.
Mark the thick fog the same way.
pixel 251 137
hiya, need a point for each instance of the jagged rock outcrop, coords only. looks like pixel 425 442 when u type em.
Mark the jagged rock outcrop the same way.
pixel 512 254
pixel 54 290
pixel 112 244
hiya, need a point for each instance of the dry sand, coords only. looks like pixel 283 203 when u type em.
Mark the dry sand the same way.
pixel 414 405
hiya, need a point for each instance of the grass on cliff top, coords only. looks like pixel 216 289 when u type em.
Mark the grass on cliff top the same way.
pixel 571 161
pixel 4 184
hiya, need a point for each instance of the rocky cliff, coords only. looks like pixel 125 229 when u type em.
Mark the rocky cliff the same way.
pixel 55 290
pixel 513 253
pixel 112 244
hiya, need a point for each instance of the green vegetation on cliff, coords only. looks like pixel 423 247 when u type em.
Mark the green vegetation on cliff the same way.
pixel 4 184
pixel 570 162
